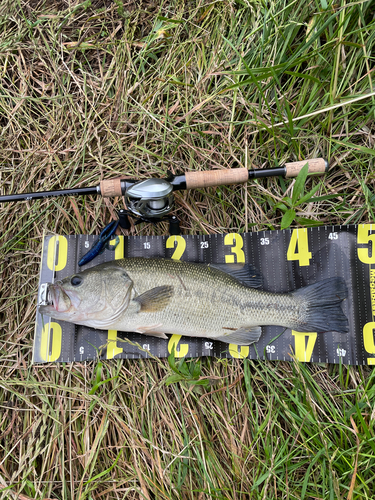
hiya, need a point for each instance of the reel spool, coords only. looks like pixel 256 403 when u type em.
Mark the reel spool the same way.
pixel 151 198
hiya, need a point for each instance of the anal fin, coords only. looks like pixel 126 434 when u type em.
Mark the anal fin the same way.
pixel 243 336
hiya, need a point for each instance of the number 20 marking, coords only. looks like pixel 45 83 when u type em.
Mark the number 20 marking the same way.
pixel 180 244
pixel 180 350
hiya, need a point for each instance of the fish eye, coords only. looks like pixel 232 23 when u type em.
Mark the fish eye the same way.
pixel 76 280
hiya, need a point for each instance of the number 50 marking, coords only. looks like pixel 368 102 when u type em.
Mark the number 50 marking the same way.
pixel 363 237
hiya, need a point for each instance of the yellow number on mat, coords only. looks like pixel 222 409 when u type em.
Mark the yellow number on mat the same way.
pixel 180 248
pixel 299 247
pixel 119 250
pixel 363 237
pixel 50 352
pixel 112 348
pixel 368 337
pixel 236 242
pixel 241 354
pixel 304 352
pixel 179 350
pixel 182 348
pixel 59 243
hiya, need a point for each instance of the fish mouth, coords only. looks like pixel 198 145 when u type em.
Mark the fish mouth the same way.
pixel 54 299
pixel 44 297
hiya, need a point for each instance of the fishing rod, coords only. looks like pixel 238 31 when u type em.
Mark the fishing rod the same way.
pixel 152 199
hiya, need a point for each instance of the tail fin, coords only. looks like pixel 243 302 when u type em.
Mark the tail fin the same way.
pixel 321 310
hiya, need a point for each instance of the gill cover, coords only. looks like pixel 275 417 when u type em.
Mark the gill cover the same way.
pixel 98 296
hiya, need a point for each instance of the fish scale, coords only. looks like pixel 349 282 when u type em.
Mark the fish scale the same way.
pixel 160 296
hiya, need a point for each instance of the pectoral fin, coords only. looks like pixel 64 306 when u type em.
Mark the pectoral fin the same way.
pixel 156 299
pixel 243 336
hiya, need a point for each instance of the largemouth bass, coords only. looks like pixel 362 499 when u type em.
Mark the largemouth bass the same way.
pixel 220 302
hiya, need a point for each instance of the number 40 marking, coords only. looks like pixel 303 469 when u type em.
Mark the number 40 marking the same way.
pixel 299 247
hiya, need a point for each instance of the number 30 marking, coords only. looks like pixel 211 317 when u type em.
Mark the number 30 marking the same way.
pixel 236 242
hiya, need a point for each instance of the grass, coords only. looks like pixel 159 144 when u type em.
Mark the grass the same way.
pixel 96 89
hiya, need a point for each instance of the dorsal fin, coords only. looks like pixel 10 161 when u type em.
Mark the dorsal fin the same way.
pixel 246 274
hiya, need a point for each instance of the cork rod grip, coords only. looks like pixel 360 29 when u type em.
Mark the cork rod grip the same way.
pixel 316 166
pixel 216 178
pixel 111 187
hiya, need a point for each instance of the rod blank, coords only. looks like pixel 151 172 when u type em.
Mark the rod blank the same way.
pixel 48 194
